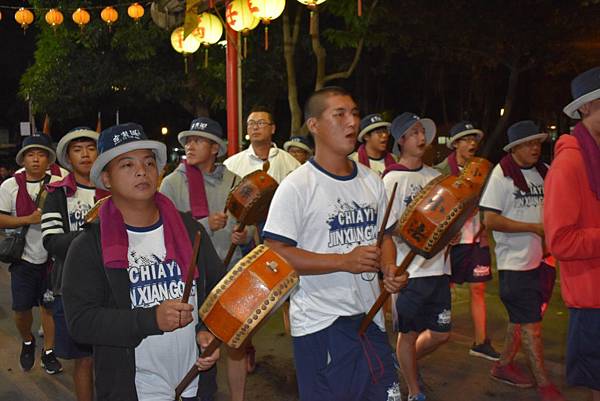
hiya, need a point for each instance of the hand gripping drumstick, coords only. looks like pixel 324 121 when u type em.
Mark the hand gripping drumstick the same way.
pixel 405 263
pixel 214 344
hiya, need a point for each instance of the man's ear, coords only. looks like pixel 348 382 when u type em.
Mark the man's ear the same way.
pixel 105 179
pixel 214 149
pixel 584 109
pixel 311 124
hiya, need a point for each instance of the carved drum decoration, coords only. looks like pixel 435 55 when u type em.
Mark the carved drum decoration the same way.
pixel 439 211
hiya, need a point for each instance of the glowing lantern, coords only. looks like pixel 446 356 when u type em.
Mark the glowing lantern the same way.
pixel 81 17
pixel 184 45
pixel 54 17
pixel 240 18
pixel 0 16
pixel 24 17
pixel 209 28
pixel 109 15
pixel 266 11
pixel 135 11
pixel 311 4
pixel 188 45
pixel 209 32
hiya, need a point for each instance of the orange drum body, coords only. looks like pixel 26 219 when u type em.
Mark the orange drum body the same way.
pixel 249 292
pixel 439 211
pixel 250 199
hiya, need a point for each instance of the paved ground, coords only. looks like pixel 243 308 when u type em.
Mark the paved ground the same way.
pixel 450 374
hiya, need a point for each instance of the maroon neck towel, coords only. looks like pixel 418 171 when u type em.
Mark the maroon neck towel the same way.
pixel 113 235
pixel 70 186
pixel 197 191
pixel 55 170
pixel 591 156
pixel 24 204
pixel 453 164
pixel 511 169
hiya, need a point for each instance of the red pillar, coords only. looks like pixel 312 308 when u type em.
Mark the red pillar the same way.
pixel 232 92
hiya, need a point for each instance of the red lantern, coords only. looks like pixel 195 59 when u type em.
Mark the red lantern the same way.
pixel 24 17
pixel 135 11
pixel 81 17
pixel 54 17
pixel 109 15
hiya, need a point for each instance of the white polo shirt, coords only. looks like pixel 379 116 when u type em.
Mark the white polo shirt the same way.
pixel 246 161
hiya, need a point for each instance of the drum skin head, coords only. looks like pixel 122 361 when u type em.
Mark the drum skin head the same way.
pixel 248 293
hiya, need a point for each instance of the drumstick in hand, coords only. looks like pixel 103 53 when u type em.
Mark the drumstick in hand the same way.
pixel 386 217
pixel 191 269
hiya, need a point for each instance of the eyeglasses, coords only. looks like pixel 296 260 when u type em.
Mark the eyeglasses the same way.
pixel 470 138
pixel 259 123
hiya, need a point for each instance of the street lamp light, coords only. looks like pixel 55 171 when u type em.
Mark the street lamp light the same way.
pixel 164 130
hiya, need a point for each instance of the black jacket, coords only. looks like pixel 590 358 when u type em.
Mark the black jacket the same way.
pixel 56 243
pixel 98 308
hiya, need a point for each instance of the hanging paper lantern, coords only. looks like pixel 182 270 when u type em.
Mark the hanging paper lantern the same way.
pixel 186 46
pixel 135 11
pixel 0 16
pixel 81 17
pixel 24 17
pixel 239 17
pixel 54 17
pixel 209 29
pixel 109 15
pixel 266 11
pixel 311 4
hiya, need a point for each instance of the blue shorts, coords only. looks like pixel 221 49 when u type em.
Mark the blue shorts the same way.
pixel 583 353
pixel 64 345
pixel 28 283
pixel 470 263
pixel 425 304
pixel 521 294
pixel 334 364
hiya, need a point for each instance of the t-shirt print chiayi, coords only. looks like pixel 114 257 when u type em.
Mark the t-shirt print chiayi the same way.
pixel 327 214
pixel 161 360
pixel 79 205
pixel 516 251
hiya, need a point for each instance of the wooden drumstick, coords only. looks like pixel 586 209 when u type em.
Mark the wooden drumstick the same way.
pixel 386 216
pixel 380 235
pixel 194 372
pixel 233 246
pixel 191 269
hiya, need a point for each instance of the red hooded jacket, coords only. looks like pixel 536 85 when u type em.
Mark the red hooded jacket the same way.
pixel 572 225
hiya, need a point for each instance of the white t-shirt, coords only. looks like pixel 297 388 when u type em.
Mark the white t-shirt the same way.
pixel 161 361
pixel 246 162
pixel 79 205
pixel 322 213
pixel 410 183
pixel 34 251
pixel 515 251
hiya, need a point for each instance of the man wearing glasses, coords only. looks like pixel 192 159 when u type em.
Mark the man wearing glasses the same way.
pixel 260 129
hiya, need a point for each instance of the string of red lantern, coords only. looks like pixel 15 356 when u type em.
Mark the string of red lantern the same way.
pixel 24 16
